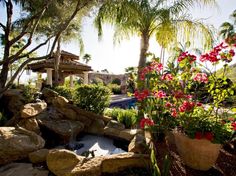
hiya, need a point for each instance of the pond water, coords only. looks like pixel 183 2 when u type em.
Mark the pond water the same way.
pixel 89 145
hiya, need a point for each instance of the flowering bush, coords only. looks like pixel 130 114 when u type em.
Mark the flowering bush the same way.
pixel 170 99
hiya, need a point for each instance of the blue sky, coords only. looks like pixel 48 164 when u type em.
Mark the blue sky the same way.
pixel 116 58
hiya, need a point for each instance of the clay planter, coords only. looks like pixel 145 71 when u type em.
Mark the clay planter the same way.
pixel 197 154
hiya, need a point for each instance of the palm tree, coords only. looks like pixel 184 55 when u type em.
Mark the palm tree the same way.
pixel 228 30
pixel 147 18
pixel 87 58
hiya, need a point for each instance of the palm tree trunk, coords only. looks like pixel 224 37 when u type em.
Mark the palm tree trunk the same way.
pixel 57 62
pixel 144 45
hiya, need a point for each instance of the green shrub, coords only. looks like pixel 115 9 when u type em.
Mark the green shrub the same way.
pixel 93 98
pixel 113 113
pixel 126 116
pixel 116 89
pixel 97 81
pixel 64 91
pixel 116 81
pixel 29 93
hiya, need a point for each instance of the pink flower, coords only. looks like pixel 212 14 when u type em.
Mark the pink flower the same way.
pixel 146 122
pixel 201 77
pixel 167 77
pixel 160 94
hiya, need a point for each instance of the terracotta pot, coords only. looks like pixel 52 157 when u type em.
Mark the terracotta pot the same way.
pixel 197 154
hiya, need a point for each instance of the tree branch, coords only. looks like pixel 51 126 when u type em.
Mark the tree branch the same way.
pixel 34 49
pixel 28 24
pixel 30 37
pixel 79 6
pixel 20 68
pixel 3 27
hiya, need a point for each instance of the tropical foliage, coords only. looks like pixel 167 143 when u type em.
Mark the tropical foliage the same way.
pixel 170 100
pixel 145 18
pixel 49 18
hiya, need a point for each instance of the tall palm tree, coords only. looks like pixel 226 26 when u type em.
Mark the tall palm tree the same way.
pixel 147 18
pixel 227 29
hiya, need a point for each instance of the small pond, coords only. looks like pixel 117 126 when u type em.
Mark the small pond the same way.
pixel 93 145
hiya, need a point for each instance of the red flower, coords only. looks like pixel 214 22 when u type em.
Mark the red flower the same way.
pixel 209 136
pixel 146 122
pixel 167 77
pixel 178 94
pixel 160 94
pixel 186 106
pixel 173 112
pixel 198 135
pixel 168 104
pixel 233 124
pixel 185 55
pixel 141 95
pixel 199 104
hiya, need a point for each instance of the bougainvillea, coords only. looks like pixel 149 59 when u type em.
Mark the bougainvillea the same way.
pixel 170 95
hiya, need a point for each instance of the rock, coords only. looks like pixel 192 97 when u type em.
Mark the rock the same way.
pixel 67 130
pixel 97 127
pixel 13 101
pixel 59 101
pixel 116 125
pixel 17 143
pixel 64 162
pixel 128 134
pixel 114 128
pixel 51 113
pixel 49 95
pixel 22 169
pixel 106 119
pixel 118 162
pixel 138 144
pixel 113 132
pixel 30 124
pixel 68 113
pixel 61 162
pixel 38 156
pixel 32 109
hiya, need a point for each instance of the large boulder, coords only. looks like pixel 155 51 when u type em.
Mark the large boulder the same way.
pixel 115 124
pixel 59 101
pixel 128 134
pixel 114 128
pixel 22 169
pixel 38 156
pixel 30 124
pixel 32 109
pixel 97 127
pixel 66 130
pixel 63 162
pixel 12 101
pixel 17 143
pixel 49 95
